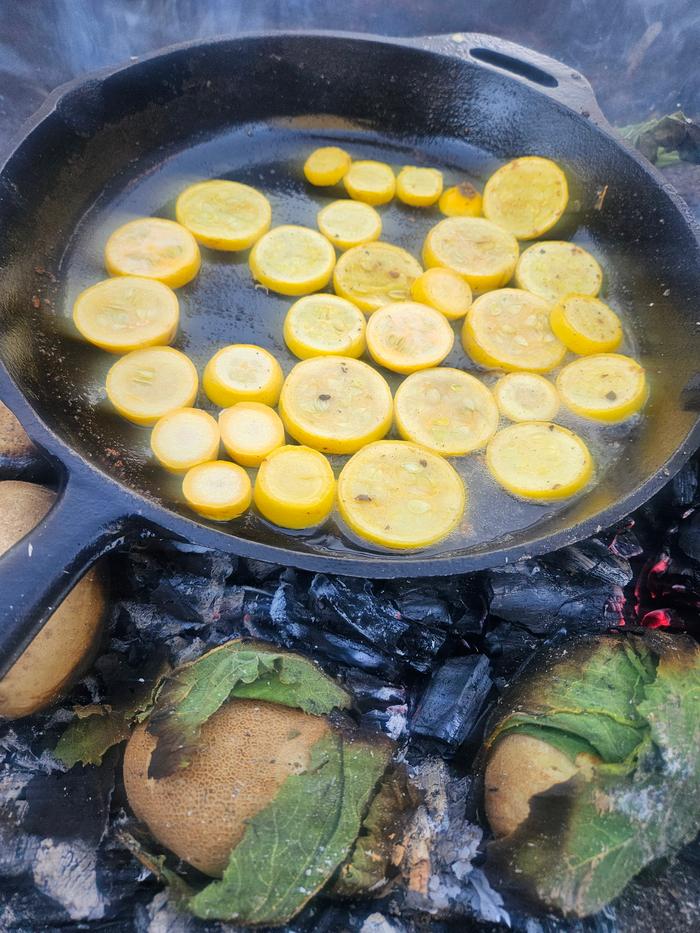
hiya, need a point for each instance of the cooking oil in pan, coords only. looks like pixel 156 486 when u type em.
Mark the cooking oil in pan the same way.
pixel 223 305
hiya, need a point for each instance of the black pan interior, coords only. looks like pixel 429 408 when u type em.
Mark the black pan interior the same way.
pixel 251 109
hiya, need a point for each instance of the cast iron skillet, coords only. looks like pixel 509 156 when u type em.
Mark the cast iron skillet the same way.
pixel 96 138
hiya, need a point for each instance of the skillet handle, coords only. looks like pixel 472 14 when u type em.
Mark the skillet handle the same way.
pixel 42 568
pixel 555 79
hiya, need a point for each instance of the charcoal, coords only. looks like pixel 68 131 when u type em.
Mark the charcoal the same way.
pixel 685 485
pixel 421 605
pixel 592 558
pixel 625 542
pixel 351 607
pixel 509 646
pixel 454 699
pixel 689 535
pixel 260 570
pixel 543 598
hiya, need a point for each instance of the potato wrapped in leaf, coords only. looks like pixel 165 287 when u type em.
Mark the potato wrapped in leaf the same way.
pixel 592 768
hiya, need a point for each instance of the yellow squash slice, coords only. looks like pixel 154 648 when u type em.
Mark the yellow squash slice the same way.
pixel 127 313
pixel 185 438
pixel 154 248
pixel 224 214
pixel 462 200
pixel 509 329
pixel 146 384
pixel 539 460
pixel 446 410
pixel 250 431
pixel 408 336
pixel 218 490
pixel 349 223
pixel 242 372
pixel 335 404
pixel 327 166
pixel 604 387
pixel 295 487
pixel 556 268
pixel 526 196
pixel 418 187
pixel 371 182
pixel 292 260
pixel 526 397
pixel 443 290
pixel 324 325
pixel 586 325
pixel 478 250
pixel 400 495
pixel 375 274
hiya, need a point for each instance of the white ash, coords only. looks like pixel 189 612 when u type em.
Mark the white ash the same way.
pixel 67 873
pixel 378 923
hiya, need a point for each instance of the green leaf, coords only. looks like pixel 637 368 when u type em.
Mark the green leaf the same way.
pixel 293 846
pixel 586 838
pixel 157 865
pixel 237 669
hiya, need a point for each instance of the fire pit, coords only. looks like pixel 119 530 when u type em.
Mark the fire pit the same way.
pixel 425 661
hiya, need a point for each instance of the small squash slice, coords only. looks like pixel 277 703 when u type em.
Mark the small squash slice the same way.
pixel 509 329
pixel 250 431
pixel 603 387
pixel 526 397
pixel 443 290
pixel 375 274
pixel 154 248
pixel 419 187
pixel 349 223
pixel 335 404
pixel 462 200
pixel 242 372
pixel 480 251
pixel 557 268
pixel 324 325
pixel 292 260
pixel 218 490
pixel 408 336
pixel 184 438
pixel 400 495
pixel 146 384
pixel 586 325
pixel 295 487
pixel 539 460
pixel 446 410
pixel 526 196
pixel 371 182
pixel 327 166
pixel 225 215
pixel 127 313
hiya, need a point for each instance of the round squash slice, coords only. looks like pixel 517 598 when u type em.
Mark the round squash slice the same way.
pixel 327 166
pixel 335 404
pixel 418 187
pixel 184 439
pixel 371 182
pixel 154 248
pixel 218 490
pixel 375 274
pixel 526 196
pixel 324 325
pixel 539 460
pixel 242 372
pixel 250 431
pixel 349 223
pixel 127 313
pixel 478 250
pixel 224 214
pixel 144 385
pixel 443 290
pixel 295 487
pixel 557 268
pixel 408 336
pixel 446 410
pixel 400 495
pixel 292 260
pixel 586 325
pixel 509 329
pixel 604 387
pixel 526 397
pixel 462 200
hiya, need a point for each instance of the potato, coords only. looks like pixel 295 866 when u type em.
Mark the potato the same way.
pixel 519 767
pixel 246 751
pixel 14 442
pixel 64 648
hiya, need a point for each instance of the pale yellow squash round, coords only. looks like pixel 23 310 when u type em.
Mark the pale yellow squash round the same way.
pixel 526 397
pixel 327 166
pixel 370 181
pixel 375 274
pixel 250 431
pixel 184 438
pixel 324 325
pixel 603 386
pixel 419 187
pixel 242 372
pixel 295 487
pixel 349 223
pixel 408 336
pixel 146 384
pixel 444 290
pixel 218 490
pixel 557 268
pixel 462 200
pixel 225 215
pixel 480 251
pixel 154 248
pixel 586 325
pixel 292 260
pixel 526 196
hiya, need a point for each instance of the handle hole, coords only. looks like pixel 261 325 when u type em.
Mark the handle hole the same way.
pixel 514 65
